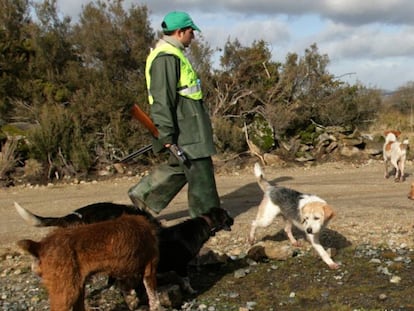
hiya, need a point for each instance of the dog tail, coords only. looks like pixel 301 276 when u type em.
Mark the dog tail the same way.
pixel 30 218
pixel 261 180
pixel 405 145
pixel 30 246
pixel 40 221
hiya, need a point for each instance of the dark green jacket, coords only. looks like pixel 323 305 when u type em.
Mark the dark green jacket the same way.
pixel 179 119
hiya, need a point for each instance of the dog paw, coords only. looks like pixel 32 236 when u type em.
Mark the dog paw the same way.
pixel 334 266
pixel 131 299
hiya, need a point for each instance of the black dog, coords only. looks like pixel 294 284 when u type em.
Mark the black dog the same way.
pixel 88 214
pixel 178 244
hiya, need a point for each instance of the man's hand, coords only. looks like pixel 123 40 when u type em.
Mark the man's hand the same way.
pixel 178 153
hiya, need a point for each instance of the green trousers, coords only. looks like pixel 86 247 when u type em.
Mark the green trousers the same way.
pixel 157 189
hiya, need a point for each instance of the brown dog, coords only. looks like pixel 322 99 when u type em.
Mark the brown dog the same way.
pixel 124 248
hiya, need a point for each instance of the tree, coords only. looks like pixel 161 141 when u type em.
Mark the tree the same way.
pixel 16 51
pixel 113 45
pixel 91 73
pixel 397 110
pixel 403 99
pixel 246 75
pixel 307 92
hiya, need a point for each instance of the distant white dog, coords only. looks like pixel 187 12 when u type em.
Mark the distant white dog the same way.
pixel 396 153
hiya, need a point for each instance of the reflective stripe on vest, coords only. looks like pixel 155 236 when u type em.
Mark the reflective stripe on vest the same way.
pixel 188 85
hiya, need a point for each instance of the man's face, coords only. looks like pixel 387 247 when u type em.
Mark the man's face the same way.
pixel 186 36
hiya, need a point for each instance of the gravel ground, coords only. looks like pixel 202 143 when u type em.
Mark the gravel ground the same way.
pixel 372 213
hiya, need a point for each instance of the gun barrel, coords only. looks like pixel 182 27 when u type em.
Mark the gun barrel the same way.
pixel 136 153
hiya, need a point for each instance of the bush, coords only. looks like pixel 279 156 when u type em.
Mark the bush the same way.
pixel 8 157
pixel 261 133
pixel 228 136
pixel 57 143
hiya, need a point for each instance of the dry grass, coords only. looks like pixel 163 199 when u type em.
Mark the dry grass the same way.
pixel 8 157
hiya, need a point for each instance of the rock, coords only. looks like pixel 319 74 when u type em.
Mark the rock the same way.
pixel 256 253
pixel 352 141
pixel 270 249
pixel 278 252
pixel 207 256
pixel 373 151
pixel 395 279
pixel 382 297
pixel 104 172
pixel 305 158
pixel 272 159
pixel 332 146
pixel 119 168
pixel 349 151
pixel 241 273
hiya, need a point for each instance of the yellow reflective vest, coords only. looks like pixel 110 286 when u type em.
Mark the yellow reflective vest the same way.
pixel 188 85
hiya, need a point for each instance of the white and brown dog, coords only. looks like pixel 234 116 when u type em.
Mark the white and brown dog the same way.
pixel 308 213
pixel 396 153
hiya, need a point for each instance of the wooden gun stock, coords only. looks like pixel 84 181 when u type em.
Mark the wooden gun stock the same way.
pixel 142 117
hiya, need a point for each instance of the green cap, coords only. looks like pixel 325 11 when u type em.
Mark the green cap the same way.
pixel 178 20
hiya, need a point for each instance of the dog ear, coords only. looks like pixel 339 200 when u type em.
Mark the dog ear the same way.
pixel 30 247
pixel 328 212
pixel 395 132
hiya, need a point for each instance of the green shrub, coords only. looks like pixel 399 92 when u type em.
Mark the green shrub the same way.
pixel 228 136
pixel 8 157
pixel 57 142
pixel 261 133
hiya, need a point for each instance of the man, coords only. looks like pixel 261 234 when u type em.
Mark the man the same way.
pixel 177 110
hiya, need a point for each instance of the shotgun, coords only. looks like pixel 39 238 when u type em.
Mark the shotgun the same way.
pixel 142 117
pixel 136 153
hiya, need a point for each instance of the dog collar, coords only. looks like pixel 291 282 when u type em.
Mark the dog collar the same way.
pixel 79 215
pixel 213 230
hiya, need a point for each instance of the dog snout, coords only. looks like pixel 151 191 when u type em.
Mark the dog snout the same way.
pixel 309 230
pixel 228 224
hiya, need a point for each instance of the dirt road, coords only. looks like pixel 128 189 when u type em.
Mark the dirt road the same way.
pixel 369 208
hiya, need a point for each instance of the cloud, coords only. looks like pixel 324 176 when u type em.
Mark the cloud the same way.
pixel 387 74
pixel 356 12
pixel 375 39
pixel 352 12
pixel 372 42
pixel 248 31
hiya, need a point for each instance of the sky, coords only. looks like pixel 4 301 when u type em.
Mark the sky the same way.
pixel 367 41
